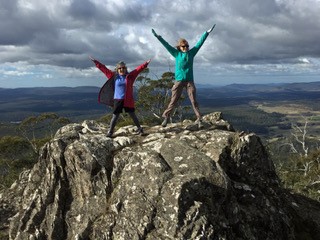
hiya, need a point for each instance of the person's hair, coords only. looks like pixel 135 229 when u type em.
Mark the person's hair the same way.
pixel 120 64
pixel 180 42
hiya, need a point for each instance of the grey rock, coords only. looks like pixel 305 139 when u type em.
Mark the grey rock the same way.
pixel 178 182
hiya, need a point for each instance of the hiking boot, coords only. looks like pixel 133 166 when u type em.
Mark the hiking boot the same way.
pixel 109 134
pixel 199 122
pixel 140 131
pixel 165 122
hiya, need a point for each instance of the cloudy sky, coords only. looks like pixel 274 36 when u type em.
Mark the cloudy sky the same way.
pixel 47 43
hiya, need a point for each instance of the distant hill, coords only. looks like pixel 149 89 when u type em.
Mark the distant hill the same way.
pixel 17 104
pixel 82 102
pixel 237 94
pixel 275 87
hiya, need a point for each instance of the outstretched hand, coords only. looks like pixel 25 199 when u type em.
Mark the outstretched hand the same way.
pixel 209 31
pixel 154 33
pixel 91 58
pixel 149 61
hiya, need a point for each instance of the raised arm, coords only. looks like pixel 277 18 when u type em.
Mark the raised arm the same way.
pixel 199 44
pixel 102 68
pixel 173 51
pixel 139 69
pixel 202 39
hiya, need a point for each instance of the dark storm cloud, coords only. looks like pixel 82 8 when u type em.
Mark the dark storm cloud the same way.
pixel 19 28
pixel 65 33
pixel 82 9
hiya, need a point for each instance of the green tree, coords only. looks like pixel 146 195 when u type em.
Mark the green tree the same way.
pixel 300 170
pixel 154 96
pixel 302 174
pixel 16 154
pixel 39 129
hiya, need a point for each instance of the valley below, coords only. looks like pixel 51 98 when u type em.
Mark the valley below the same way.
pixel 269 110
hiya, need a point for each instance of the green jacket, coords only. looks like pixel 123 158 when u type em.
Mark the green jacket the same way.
pixel 184 60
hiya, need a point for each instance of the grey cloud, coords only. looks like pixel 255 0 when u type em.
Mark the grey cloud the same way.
pixel 248 31
pixel 8 7
pixel 83 9
pixel 19 28
pixel 265 31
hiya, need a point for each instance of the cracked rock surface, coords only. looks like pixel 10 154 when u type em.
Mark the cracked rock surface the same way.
pixel 178 182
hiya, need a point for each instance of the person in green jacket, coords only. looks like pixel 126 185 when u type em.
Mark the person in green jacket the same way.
pixel 183 73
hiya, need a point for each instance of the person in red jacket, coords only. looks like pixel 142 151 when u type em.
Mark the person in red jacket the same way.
pixel 117 92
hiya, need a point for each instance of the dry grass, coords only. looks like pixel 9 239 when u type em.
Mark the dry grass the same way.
pixel 295 113
pixel 285 108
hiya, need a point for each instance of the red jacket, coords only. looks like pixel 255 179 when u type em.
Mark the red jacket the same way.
pixel 107 91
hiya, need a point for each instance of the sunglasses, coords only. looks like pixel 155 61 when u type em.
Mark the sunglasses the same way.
pixel 185 46
pixel 122 68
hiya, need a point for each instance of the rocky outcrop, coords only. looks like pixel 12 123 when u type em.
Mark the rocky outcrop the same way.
pixel 178 182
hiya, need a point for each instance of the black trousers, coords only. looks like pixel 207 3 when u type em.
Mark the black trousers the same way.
pixel 117 109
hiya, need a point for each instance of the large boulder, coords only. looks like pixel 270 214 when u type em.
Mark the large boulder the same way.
pixel 178 182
